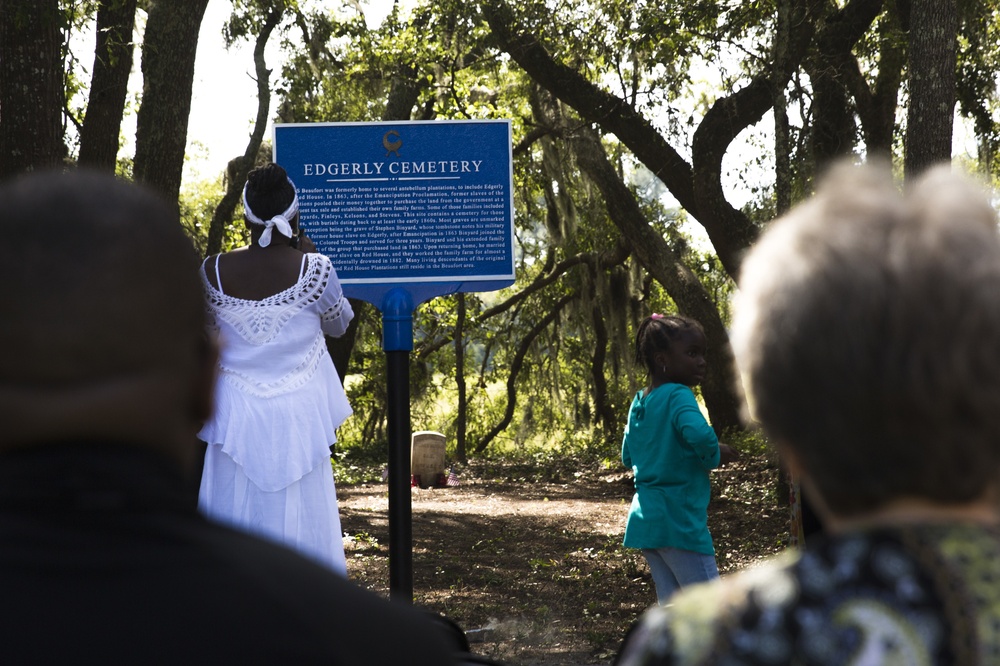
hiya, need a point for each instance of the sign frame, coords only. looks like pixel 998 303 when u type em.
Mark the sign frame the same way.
pixel 387 168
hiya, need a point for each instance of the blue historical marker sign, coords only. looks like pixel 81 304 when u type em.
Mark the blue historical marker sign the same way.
pixel 425 205
pixel 406 211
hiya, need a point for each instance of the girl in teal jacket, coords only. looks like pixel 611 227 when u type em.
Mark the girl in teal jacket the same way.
pixel 671 448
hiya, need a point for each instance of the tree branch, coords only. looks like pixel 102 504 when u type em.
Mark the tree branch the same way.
pixel 730 231
pixel 720 389
pixel 617 256
pixel 240 167
pixel 515 369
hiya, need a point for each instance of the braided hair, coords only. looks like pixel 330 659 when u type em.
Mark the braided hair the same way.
pixel 269 191
pixel 655 334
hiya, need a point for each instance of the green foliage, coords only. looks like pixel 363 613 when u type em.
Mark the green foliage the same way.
pixel 551 462
pixel 75 15
pixel 751 442
pixel 558 215
pixel 322 82
pixel 718 283
pixel 249 17
pixel 978 63
pixel 669 62
pixel 356 465
pixel 198 200
pixel 366 391
pixel 657 57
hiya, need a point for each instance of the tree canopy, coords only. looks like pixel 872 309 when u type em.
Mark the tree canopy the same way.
pixel 652 143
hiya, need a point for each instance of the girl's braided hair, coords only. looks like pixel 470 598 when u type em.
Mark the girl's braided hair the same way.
pixel 655 334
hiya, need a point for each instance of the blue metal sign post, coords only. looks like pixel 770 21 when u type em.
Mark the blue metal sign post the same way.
pixel 407 211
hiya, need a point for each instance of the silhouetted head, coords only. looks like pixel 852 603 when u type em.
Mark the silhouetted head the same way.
pixel 103 316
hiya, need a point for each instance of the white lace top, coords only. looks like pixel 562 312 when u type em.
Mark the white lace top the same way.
pixel 279 400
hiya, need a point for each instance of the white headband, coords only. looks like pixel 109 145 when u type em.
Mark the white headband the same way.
pixel 282 221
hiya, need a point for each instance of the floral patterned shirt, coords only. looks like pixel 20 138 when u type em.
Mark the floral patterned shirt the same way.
pixel 914 595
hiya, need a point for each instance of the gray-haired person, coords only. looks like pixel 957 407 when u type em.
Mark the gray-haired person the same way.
pixel 867 329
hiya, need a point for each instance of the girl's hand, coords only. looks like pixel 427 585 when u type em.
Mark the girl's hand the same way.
pixel 727 454
pixel 306 245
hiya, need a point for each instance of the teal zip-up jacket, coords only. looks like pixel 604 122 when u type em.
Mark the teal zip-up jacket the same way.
pixel 671 448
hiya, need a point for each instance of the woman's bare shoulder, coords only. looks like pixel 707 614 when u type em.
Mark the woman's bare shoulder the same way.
pixel 255 275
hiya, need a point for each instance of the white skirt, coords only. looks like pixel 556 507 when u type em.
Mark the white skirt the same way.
pixel 303 516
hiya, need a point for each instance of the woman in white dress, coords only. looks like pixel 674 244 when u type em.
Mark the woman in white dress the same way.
pixel 279 399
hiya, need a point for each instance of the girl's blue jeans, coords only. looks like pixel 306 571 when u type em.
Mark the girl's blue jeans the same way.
pixel 673 568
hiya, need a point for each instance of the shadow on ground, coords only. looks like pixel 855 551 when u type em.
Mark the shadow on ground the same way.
pixel 539 566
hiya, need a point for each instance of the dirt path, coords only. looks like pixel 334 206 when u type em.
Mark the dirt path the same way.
pixel 538 564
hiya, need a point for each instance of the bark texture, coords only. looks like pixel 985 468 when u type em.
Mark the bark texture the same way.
pixel 696 186
pixel 721 391
pixel 168 56
pixel 108 85
pixel 930 114
pixel 31 86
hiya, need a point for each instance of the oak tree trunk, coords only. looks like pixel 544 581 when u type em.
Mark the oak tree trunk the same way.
pixel 168 56
pixel 108 85
pixel 930 114
pixel 31 86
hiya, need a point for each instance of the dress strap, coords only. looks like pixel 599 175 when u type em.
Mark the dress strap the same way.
pixel 302 268
pixel 218 278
